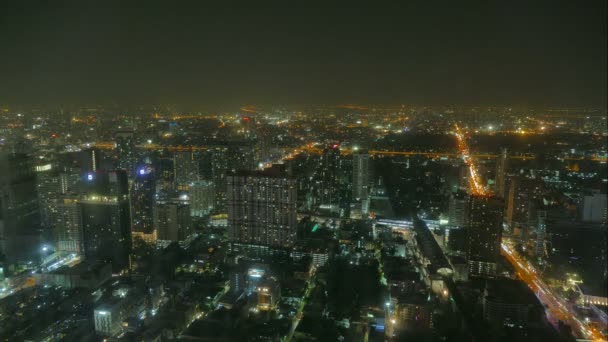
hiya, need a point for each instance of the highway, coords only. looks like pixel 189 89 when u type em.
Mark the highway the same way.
pixel 474 179
pixel 310 148
pixel 556 308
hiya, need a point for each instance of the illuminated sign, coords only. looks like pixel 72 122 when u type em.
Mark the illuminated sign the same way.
pixel 256 273
pixel 40 168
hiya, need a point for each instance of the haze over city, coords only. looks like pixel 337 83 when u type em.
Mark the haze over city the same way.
pixel 300 171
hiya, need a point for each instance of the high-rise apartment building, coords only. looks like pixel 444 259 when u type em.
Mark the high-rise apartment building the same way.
pixel 330 173
pixel 523 193
pixel 484 234
pixel 262 208
pixel 186 168
pixel 202 198
pixel 361 176
pixel 20 234
pixel 142 204
pixel 125 149
pixel 172 221
pixel 458 210
pixel 69 236
pixel 594 208
pixel 541 232
pixel 90 160
pixel 228 158
pixel 106 218
pixel 502 163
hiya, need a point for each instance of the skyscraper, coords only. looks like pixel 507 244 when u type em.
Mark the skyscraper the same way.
pixel 125 149
pixel 186 168
pixel 106 218
pixel 262 208
pixel 20 234
pixel 142 204
pixel 49 185
pixel 541 231
pixel 502 163
pixel 484 234
pixel 329 171
pixel 523 192
pixel 90 160
pixel 458 211
pixel 226 158
pixel 219 168
pixel 202 198
pixel 594 208
pixel 68 229
pixel 172 221
pixel 361 176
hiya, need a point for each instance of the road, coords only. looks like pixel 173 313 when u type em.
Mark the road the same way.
pixel 556 308
pixel 316 150
pixel 310 285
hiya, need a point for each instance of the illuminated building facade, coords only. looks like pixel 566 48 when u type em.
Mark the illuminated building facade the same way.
pixel 262 208
pixel 360 176
pixel 125 149
pixel 484 234
pixel 202 198
pixel 19 209
pixel 502 163
pixel 172 221
pixel 106 218
pixel 458 210
pixel 142 204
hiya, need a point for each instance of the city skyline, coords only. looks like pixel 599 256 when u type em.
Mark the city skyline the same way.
pixel 302 172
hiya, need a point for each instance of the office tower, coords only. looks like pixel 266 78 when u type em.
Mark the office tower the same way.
pixel 186 168
pixel 125 149
pixel 20 234
pixel 360 175
pixel 90 160
pixel 202 198
pixel 502 163
pixel 106 218
pixel 541 231
pixel 172 221
pixel 458 210
pixel 69 236
pixel 142 204
pixel 484 234
pixel 262 208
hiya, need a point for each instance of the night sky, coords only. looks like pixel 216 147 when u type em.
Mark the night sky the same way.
pixel 297 52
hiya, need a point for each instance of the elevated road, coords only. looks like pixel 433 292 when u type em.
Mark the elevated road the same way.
pixel 556 308
pixel 314 150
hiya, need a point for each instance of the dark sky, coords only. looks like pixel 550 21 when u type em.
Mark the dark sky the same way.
pixel 297 52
